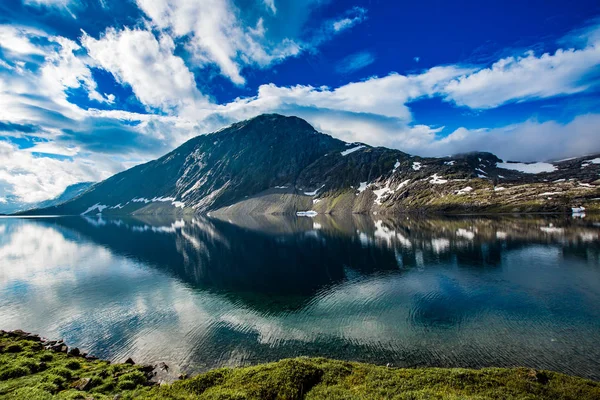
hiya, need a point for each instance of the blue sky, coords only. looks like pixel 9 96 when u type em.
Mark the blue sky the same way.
pixel 91 87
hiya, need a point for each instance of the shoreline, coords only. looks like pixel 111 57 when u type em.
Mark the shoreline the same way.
pixel 33 367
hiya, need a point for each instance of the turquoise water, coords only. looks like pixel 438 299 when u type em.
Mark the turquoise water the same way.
pixel 199 293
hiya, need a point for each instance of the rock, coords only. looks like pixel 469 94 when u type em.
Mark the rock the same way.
pixel 81 384
pixel 129 361
pixel 182 376
pixel 90 357
pixel 147 368
pixel 539 376
pixel 56 347
pixel 63 349
pixel 34 338
pixel 163 366
pixel 74 352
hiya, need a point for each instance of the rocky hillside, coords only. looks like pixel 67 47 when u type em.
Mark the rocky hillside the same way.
pixel 274 164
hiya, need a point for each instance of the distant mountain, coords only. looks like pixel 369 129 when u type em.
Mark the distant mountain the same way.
pixel 70 192
pixel 14 205
pixel 274 164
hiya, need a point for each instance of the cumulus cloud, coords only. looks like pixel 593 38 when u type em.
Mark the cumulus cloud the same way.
pixel 528 141
pixel 137 58
pixel 35 179
pixel 216 34
pixel 386 96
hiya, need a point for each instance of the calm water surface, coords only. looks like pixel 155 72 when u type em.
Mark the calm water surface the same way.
pixel 200 293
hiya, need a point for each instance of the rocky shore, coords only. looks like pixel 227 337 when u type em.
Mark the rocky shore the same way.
pixel 33 368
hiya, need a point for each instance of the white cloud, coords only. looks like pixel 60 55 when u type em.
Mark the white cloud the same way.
pixel 386 96
pixel 35 179
pixel 355 62
pixel 63 69
pixel 17 40
pixel 270 4
pixel 135 57
pixel 53 148
pixel 527 77
pixel 65 5
pixel 355 16
pixel 50 3
pixel 528 141
pixel 217 35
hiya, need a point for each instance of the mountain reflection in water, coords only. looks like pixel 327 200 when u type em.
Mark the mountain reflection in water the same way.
pixel 201 292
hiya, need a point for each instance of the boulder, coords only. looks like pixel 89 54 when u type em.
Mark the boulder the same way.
pixel 74 352
pixel 81 384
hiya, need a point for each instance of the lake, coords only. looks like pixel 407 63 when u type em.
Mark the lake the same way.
pixel 199 293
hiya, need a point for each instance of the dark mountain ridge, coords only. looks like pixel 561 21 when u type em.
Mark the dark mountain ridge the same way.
pixel 275 164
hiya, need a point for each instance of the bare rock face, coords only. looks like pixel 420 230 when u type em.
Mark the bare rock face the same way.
pixel 274 164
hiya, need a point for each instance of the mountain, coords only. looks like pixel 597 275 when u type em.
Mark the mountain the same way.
pixel 13 204
pixel 70 192
pixel 275 164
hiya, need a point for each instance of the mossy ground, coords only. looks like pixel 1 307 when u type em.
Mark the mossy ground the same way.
pixel 27 371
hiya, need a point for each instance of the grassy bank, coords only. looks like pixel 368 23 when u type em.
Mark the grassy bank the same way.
pixel 28 370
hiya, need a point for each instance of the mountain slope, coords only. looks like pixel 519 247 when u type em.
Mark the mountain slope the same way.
pixel 275 164
pixel 71 192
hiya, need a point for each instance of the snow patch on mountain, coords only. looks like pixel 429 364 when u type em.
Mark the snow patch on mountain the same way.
pixel 362 187
pixel 96 206
pixel 437 180
pixel 380 193
pixel 314 193
pixel 590 162
pixel 352 150
pixel 178 204
pixel 404 183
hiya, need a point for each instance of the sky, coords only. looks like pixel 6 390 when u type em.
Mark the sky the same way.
pixel 89 88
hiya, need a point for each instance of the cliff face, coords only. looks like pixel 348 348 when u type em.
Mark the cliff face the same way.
pixel 274 164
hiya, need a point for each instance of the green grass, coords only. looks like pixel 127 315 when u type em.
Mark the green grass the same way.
pixel 34 373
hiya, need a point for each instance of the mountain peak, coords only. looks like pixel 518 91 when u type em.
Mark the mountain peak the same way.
pixel 271 123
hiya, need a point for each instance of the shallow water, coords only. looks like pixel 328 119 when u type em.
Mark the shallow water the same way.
pixel 200 293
